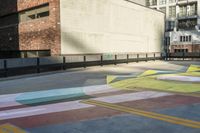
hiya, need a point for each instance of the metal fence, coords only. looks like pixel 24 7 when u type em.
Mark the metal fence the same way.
pixel 182 56
pixel 19 66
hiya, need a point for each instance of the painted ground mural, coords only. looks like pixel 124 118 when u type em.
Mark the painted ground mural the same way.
pixel 186 80
pixel 147 101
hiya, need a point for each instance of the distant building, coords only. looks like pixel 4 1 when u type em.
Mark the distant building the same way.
pixel 141 2
pixel 30 28
pixel 182 24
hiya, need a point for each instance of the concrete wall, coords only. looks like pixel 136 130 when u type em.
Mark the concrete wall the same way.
pixel 109 26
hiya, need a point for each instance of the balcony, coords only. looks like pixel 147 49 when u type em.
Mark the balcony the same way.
pixel 188 15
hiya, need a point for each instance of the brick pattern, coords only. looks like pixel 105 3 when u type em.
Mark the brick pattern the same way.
pixel 38 34
pixel 191 48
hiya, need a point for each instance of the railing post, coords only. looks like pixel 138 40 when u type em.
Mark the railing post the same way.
pixel 138 56
pixel 146 57
pixel 115 59
pixel 127 58
pixel 154 56
pixel 64 63
pixel 101 60
pixel 183 56
pixel 161 56
pixel 5 68
pixel 84 58
pixel 38 65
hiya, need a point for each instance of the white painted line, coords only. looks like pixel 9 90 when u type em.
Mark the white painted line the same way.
pixel 10 99
pixel 179 78
pixel 73 105
pixel 132 96
pixel 43 109
pixel 98 89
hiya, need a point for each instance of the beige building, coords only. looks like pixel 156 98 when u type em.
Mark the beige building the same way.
pixel 109 26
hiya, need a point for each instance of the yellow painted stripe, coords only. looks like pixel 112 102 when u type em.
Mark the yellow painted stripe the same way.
pixel 162 117
pixel 9 128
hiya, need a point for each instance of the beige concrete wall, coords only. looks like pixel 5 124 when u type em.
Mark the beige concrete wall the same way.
pixel 109 26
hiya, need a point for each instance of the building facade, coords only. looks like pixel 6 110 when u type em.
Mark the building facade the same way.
pixel 141 2
pixel 27 25
pixel 182 24
pixel 62 27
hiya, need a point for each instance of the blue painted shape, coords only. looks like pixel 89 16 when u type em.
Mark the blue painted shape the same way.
pixel 49 95
pixel 116 124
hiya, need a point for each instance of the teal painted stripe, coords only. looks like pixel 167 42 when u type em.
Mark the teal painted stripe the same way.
pixel 49 95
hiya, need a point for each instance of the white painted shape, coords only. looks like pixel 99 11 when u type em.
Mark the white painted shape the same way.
pixel 10 99
pixel 132 96
pixel 98 89
pixel 179 78
pixel 43 109
pixel 73 105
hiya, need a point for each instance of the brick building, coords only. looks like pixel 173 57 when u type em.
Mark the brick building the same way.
pixel 27 25
pixel 30 28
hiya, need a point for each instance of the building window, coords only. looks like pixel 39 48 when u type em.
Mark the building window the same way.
pixel 188 24
pixel 192 9
pixel 34 13
pixel 186 38
pixel 162 2
pixel 181 38
pixel 190 38
pixel 151 2
pixel 172 1
pixel 170 25
pixel 181 50
pixel 172 11
pixel 163 9
pixel 183 11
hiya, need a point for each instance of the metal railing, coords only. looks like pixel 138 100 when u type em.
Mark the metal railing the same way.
pixel 182 56
pixel 20 66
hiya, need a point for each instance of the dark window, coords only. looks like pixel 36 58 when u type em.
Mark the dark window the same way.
pixel 170 25
pixel 31 17
pixel 181 38
pixel 34 13
pixel 43 14
pixel 186 38
pixel 190 38
pixel 188 24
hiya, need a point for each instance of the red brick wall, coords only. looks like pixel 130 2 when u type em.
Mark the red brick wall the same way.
pixel 38 34
pixel 191 48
